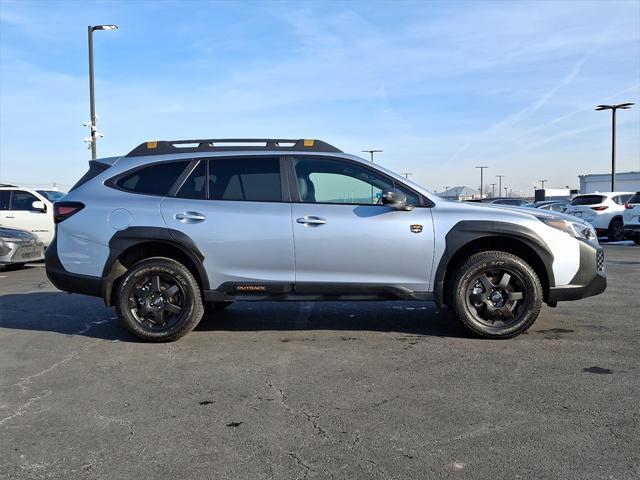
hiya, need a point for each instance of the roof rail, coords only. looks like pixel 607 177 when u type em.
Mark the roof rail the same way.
pixel 164 147
pixel 7 185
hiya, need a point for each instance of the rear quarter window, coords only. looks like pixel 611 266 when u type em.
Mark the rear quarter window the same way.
pixel 156 179
pixel 588 200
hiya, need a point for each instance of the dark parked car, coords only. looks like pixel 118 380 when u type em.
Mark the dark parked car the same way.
pixel 518 202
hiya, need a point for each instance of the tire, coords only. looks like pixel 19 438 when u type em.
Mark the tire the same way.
pixel 218 306
pixel 496 294
pixel 159 300
pixel 616 230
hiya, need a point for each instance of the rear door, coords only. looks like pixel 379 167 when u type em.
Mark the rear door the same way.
pixel 237 211
pixel 345 238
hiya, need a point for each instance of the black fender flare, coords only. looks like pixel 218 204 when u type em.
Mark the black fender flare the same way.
pixel 467 231
pixel 131 236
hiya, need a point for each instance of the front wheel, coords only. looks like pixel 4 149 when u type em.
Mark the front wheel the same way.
pixel 159 300
pixel 496 294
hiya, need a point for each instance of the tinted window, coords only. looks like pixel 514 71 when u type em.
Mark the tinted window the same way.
pixel 635 198
pixel 587 200
pixel 155 179
pixel 51 195
pixel 21 200
pixel 334 181
pixel 4 199
pixel 195 186
pixel 245 179
pixel 621 199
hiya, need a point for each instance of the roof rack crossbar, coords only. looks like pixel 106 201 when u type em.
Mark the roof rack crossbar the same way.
pixel 164 147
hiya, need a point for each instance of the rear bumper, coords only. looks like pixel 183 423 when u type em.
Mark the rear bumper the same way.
pixel 631 231
pixel 68 281
pixel 590 280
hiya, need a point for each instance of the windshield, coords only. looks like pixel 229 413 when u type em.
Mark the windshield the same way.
pixel 51 195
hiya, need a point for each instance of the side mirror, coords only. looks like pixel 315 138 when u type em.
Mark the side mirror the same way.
pixel 396 199
pixel 39 206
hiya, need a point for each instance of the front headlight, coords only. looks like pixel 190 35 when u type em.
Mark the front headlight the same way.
pixel 575 229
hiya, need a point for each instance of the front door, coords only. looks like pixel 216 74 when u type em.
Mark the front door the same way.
pixel 235 212
pixel 344 236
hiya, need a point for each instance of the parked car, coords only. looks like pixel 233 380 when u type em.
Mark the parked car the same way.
pixel 553 205
pixel 603 211
pixel 631 218
pixel 171 226
pixel 29 209
pixel 518 202
pixel 18 247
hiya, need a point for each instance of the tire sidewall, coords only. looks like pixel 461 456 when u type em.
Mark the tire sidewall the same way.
pixel 532 294
pixel 190 302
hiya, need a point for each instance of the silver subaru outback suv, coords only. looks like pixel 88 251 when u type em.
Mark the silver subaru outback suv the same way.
pixel 174 226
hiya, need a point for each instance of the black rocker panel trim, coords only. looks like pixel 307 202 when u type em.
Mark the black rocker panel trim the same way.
pixel 467 231
pixel 311 291
pixel 131 236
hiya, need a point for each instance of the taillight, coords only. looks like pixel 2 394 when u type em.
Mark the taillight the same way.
pixel 599 209
pixel 629 206
pixel 64 210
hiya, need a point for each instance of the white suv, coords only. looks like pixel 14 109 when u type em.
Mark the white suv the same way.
pixel 603 210
pixel 631 218
pixel 29 209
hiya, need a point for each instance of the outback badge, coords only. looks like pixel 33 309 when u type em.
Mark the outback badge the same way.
pixel 415 228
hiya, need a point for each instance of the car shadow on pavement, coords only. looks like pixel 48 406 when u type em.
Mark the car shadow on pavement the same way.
pixel 78 315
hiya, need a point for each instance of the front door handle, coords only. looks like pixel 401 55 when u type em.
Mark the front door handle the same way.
pixel 190 217
pixel 311 220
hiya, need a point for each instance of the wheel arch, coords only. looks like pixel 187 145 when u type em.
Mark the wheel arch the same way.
pixel 137 243
pixel 469 237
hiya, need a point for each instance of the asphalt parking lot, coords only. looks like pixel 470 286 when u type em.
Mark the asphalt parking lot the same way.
pixel 320 390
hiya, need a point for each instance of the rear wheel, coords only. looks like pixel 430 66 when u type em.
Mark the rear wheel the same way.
pixel 616 230
pixel 159 300
pixel 496 294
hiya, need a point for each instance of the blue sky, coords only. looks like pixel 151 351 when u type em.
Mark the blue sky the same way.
pixel 440 86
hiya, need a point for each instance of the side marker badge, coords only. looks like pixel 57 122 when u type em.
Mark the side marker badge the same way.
pixel 415 228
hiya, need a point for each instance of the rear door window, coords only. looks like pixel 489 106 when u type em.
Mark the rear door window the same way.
pixel 156 179
pixel 587 200
pixel 245 179
pixel 635 199
pixel 5 195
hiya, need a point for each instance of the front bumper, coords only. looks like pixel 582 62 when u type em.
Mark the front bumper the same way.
pixel 590 280
pixel 67 281
pixel 20 251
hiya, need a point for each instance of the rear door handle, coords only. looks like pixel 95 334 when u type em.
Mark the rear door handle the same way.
pixel 190 217
pixel 311 220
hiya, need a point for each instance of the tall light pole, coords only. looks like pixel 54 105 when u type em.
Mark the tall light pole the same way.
pixel 371 152
pixel 481 180
pixel 493 189
pixel 446 192
pixel 92 99
pixel 406 174
pixel 505 192
pixel 542 183
pixel 613 108
pixel 500 183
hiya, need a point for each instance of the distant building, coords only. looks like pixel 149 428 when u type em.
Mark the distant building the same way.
pixel 601 182
pixel 554 194
pixel 459 193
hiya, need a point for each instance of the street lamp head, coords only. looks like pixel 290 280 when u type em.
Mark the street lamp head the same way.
pixel 625 105
pixel 104 27
pixel 604 107
pixel 371 151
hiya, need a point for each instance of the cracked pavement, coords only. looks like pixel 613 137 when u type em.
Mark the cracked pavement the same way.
pixel 319 390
